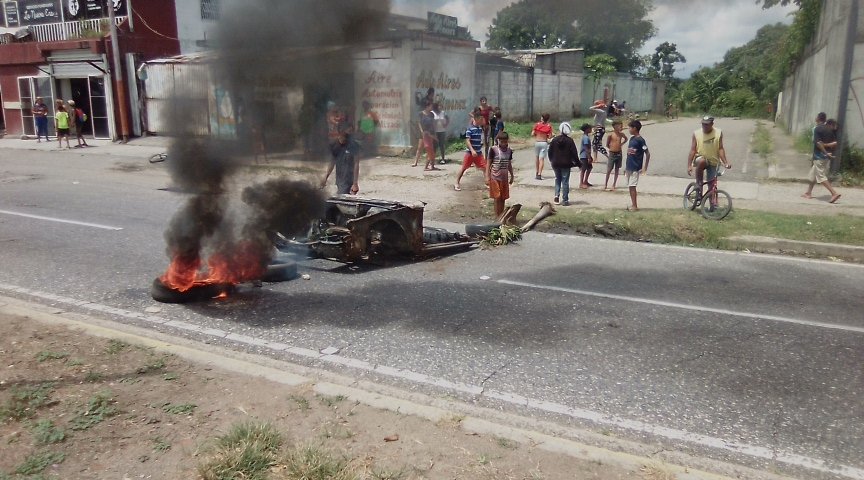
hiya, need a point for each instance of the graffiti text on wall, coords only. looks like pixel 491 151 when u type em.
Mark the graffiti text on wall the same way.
pixel 441 84
pixel 379 91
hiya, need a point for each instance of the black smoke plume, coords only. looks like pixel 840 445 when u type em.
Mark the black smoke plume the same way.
pixel 265 49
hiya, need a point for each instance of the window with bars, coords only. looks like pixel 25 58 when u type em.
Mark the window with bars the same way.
pixel 210 9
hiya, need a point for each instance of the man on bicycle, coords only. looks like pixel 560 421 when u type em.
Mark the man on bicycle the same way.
pixel 706 153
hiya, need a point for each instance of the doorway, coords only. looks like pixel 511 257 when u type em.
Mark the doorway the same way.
pixel 89 95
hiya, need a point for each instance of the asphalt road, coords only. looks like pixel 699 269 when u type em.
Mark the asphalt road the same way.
pixel 744 358
pixel 669 143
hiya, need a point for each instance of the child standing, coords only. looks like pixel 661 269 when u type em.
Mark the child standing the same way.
pixel 61 122
pixel 499 172
pixel 638 157
pixel 497 125
pixel 585 156
pixel 614 143
pixel 474 150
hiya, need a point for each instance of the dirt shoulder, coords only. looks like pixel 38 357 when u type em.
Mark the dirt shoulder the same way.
pixel 79 406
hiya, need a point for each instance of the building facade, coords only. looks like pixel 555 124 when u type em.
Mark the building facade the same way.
pixel 61 49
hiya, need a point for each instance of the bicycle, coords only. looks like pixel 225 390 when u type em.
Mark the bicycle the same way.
pixel 719 204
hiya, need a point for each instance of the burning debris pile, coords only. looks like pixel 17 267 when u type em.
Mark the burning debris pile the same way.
pixel 213 243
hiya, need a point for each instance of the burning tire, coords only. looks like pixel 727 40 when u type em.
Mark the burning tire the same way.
pixel 280 271
pixel 197 293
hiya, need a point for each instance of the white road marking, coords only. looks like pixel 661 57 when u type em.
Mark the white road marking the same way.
pixel 684 306
pixel 60 220
pixel 766 453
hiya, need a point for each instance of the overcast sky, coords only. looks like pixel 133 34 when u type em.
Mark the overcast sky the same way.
pixel 732 23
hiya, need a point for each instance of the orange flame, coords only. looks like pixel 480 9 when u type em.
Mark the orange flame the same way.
pixel 244 263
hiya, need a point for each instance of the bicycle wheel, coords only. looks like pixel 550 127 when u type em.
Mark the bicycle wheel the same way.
pixel 723 207
pixel 691 194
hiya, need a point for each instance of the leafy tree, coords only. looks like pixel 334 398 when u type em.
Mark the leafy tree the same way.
pixel 663 61
pixel 517 27
pixel 599 67
pixel 782 3
pixel 586 24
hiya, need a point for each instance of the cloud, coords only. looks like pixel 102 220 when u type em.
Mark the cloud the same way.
pixel 703 33
pixel 703 30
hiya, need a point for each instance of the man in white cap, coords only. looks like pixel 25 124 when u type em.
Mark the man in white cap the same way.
pixel 706 153
pixel 563 155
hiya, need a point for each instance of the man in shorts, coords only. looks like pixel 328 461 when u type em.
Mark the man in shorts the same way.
pixel 824 143
pixel 706 153
pixel 638 157
pixel 474 150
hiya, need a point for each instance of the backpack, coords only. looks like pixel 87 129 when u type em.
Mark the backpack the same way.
pixel 80 116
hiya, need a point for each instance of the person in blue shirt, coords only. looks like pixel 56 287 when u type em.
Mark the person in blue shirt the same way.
pixel 638 157
pixel 474 150
pixel 585 156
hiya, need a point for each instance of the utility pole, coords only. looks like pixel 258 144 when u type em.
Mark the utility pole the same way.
pixel 117 75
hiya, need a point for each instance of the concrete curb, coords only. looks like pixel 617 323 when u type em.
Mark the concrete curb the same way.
pixel 779 245
pixel 472 419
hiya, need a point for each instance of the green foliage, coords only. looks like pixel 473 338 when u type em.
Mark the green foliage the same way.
pixel 548 24
pixel 45 432
pixel 37 462
pixel 662 62
pixel 247 451
pixel 738 101
pixel 852 166
pixel 501 235
pixel 753 74
pixel 599 67
pixel 24 402
pixel 99 407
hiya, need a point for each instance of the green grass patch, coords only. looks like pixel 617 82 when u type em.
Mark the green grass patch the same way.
pixel 683 227
pixel 116 346
pixel 302 402
pixel 24 401
pixel 331 401
pixel 153 365
pixel 179 408
pixel 37 462
pixel 160 445
pixel 762 144
pixel 316 463
pixel 45 432
pixel 804 142
pixel 247 451
pixel 46 355
pixel 99 407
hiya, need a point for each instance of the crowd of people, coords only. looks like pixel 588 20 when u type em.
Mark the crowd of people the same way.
pixel 487 149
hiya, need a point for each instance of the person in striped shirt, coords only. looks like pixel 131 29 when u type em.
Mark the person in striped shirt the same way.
pixel 474 150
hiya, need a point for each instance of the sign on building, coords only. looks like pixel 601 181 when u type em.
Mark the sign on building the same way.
pixel 35 12
pixel 92 9
pixel 11 13
pixel 442 24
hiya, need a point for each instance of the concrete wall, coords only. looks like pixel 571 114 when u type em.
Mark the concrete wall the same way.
pixel 395 78
pixel 830 78
pixel 508 86
pixel 557 94
pixel 641 94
